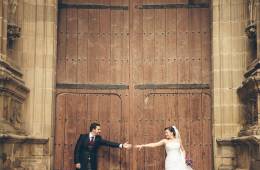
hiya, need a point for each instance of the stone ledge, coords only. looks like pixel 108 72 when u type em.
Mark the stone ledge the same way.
pixel 12 138
pixel 225 167
pixel 236 140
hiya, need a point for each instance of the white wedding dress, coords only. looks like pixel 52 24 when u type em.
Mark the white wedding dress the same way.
pixel 174 159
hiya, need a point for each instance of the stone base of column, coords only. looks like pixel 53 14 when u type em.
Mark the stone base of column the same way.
pixel 225 167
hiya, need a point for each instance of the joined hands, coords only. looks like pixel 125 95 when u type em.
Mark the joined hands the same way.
pixel 127 145
pixel 139 147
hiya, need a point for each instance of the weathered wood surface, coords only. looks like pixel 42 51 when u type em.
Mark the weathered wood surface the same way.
pixel 135 71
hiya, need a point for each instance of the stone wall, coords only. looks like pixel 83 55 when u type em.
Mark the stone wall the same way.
pixel 229 61
pixel 31 59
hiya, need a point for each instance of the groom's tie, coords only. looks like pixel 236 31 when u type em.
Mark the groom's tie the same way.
pixel 92 139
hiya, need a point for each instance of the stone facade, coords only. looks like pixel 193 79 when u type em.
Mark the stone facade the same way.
pixel 28 54
pixel 229 50
pixel 235 77
pixel 27 75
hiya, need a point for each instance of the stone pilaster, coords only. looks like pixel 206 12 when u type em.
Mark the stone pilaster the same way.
pixel 229 64
pixel 246 143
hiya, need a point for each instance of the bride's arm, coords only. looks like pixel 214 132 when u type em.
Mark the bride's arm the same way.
pixel 151 145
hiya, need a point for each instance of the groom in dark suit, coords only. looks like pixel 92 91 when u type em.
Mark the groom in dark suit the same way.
pixel 85 153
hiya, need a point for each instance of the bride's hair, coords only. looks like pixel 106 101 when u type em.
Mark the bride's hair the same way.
pixel 171 129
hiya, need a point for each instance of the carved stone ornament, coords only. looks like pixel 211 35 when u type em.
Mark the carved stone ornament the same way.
pixel 251 28
pixel 13 32
pixel 12 6
pixel 248 96
pixel 15 113
pixel 251 31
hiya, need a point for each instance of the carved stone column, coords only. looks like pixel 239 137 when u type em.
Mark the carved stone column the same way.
pixel 249 92
pixel 248 141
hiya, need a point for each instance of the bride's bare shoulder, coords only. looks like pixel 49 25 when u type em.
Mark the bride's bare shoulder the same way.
pixel 164 141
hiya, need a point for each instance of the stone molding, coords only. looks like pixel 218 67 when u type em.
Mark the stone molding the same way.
pixel 12 138
pixel 252 139
pixel 11 82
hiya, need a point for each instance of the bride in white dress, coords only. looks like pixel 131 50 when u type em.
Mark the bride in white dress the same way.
pixel 175 159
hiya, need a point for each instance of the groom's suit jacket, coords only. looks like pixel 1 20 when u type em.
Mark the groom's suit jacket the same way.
pixel 86 151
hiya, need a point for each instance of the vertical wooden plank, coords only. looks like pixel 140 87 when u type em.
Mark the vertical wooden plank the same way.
pixel 196 135
pixel 61 56
pixel 125 126
pixel 116 45
pixel 182 45
pixel 136 43
pixel 70 130
pixel 125 45
pixel 59 132
pixel 148 45
pixel 159 69
pixel 207 132
pixel 159 121
pixel 115 118
pixel 172 111
pixel 93 46
pixel 195 45
pixel 148 133
pixel 83 35
pixel 171 45
pixel 183 113
pixel 87 112
pixel 139 131
pixel 195 107
pixel 93 101
pixel 206 46
pixel 104 50
pixel 81 115
pixel 71 46
pixel 104 119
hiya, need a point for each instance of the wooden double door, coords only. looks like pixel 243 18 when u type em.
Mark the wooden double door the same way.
pixel 136 67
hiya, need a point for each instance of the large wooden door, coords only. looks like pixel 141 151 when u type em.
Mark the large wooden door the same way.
pixel 136 67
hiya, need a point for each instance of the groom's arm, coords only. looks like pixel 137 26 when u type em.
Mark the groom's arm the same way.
pixel 110 143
